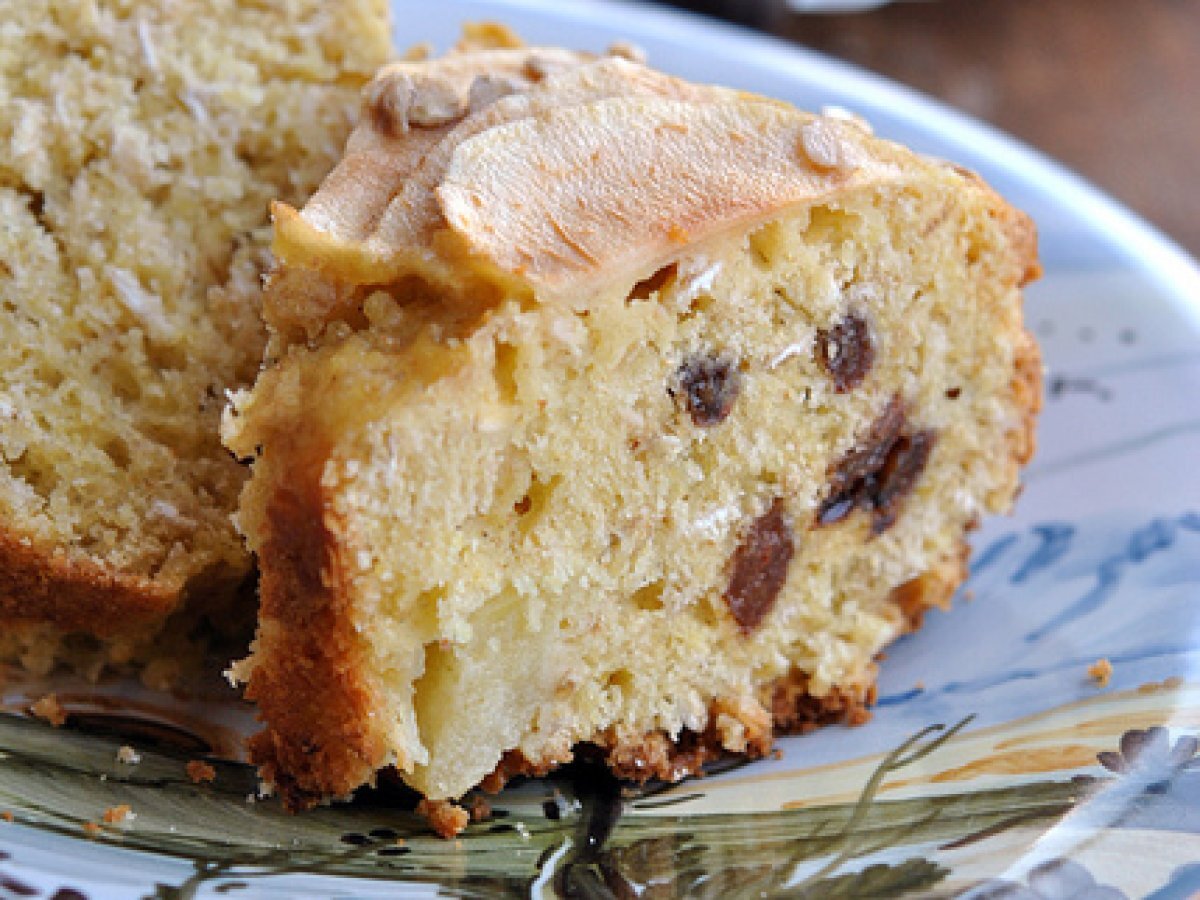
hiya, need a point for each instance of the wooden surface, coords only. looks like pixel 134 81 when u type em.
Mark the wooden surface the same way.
pixel 1109 87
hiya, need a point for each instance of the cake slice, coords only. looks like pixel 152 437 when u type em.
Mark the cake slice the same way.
pixel 141 146
pixel 606 409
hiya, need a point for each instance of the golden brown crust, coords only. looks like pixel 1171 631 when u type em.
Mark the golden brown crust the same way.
pixel 308 680
pixel 933 588
pixel 514 763
pixel 795 711
pixel 1027 397
pixel 1027 380
pixel 38 586
pixel 656 755
pixel 1022 237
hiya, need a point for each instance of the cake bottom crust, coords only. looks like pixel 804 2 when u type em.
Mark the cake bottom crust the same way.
pixel 743 728
pixel 40 589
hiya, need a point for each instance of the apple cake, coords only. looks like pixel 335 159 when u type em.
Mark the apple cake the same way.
pixel 605 409
pixel 142 145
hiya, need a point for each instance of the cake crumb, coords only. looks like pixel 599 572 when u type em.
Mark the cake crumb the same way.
pixel 127 756
pixel 481 810
pixel 114 815
pixel 200 772
pixel 1100 671
pixel 50 709
pixel 7 816
pixel 445 818
pixel 91 829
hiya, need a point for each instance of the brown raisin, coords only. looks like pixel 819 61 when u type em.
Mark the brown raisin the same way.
pixel 709 385
pixel 759 567
pixel 847 352
pixel 880 472
pixel 899 475
pixel 849 479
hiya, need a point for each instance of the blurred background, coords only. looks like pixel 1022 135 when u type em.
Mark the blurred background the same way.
pixel 1111 88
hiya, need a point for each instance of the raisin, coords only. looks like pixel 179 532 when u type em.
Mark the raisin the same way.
pixel 850 477
pixel 899 475
pixel 847 352
pixel 759 567
pixel 880 472
pixel 710 384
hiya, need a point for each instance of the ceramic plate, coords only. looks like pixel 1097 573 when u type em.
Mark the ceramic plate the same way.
pixel 995 765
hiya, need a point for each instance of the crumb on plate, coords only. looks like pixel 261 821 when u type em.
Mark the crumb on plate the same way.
pixel 50 709
pixel 128 756
pixel 480 809
pixel 1100 671
pixel 446 818
pixel 200 772
pixel 114 815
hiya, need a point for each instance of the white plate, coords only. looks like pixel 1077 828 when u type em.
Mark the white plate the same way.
pixel 1051 783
